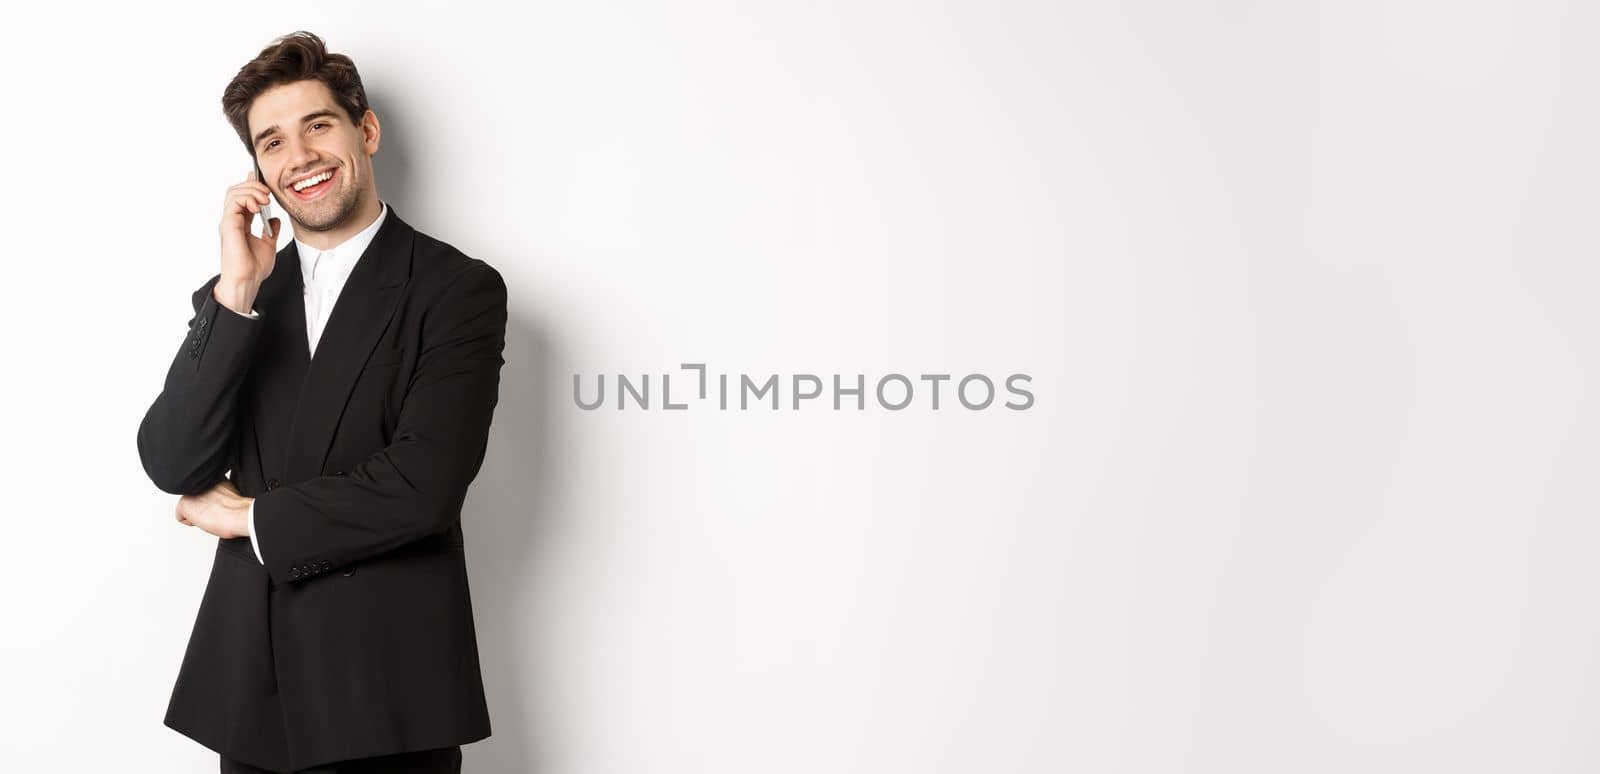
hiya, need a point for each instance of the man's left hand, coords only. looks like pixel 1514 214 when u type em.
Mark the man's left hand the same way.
pixel 220 510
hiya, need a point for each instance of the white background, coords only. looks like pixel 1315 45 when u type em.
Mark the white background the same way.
pixel 1306 291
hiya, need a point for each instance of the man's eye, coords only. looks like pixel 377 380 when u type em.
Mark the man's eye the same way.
pixel 270 144
pixel 317 124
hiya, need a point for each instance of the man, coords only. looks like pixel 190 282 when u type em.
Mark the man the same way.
pixel 324 417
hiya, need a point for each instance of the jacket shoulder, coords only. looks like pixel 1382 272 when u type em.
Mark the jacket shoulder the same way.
pixel 439 263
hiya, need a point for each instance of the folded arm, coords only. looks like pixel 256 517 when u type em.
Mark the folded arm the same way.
pixel 415 486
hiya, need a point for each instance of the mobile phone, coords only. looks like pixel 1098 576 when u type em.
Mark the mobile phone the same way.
pixel 266 209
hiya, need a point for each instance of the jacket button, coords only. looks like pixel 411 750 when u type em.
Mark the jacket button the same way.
pixel 326 565
pixel 350 572
pixel 272 483
pixel 203 322
pixel 294 572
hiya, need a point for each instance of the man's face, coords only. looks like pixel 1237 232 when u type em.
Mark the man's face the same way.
pixel 300 132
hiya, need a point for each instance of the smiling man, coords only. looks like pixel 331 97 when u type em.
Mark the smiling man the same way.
pixel 323 419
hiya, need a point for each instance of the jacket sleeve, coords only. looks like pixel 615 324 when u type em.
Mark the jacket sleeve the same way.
pixel 414 487
pixel 186 437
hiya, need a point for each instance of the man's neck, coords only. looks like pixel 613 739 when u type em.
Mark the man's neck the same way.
pixel 327 240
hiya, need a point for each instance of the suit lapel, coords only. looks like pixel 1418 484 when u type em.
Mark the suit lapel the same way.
pixel 307 392
pixel 282 356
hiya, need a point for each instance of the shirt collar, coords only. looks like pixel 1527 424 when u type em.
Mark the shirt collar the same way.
pixel 345 253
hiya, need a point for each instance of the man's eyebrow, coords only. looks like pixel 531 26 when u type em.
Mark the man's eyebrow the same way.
pixel 261 135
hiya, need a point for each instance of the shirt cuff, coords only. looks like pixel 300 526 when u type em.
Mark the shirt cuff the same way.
pixel 253 313
pixel 250 526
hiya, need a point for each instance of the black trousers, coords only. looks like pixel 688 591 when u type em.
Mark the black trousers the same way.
pixel 444 760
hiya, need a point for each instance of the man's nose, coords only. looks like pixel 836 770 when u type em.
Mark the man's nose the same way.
pixel 301 159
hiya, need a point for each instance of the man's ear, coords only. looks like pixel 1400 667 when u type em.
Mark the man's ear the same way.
pixel 371 132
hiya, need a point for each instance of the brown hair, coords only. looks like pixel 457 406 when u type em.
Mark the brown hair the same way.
pixel 297 56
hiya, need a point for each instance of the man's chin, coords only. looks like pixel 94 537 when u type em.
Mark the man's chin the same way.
pixel 320 221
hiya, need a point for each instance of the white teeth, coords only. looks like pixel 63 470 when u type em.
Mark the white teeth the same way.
pixel 311 181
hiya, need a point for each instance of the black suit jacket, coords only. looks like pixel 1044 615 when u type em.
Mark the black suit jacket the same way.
pixel 356 638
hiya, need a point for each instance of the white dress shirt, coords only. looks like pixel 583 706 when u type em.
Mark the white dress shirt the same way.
pixel 324 273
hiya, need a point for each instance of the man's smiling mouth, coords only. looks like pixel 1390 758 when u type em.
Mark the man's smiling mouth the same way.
pixel 323 181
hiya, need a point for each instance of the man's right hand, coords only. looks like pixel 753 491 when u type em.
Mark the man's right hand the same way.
pixel 246 259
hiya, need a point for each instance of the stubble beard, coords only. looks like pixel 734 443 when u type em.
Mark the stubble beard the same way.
pixel 319 216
